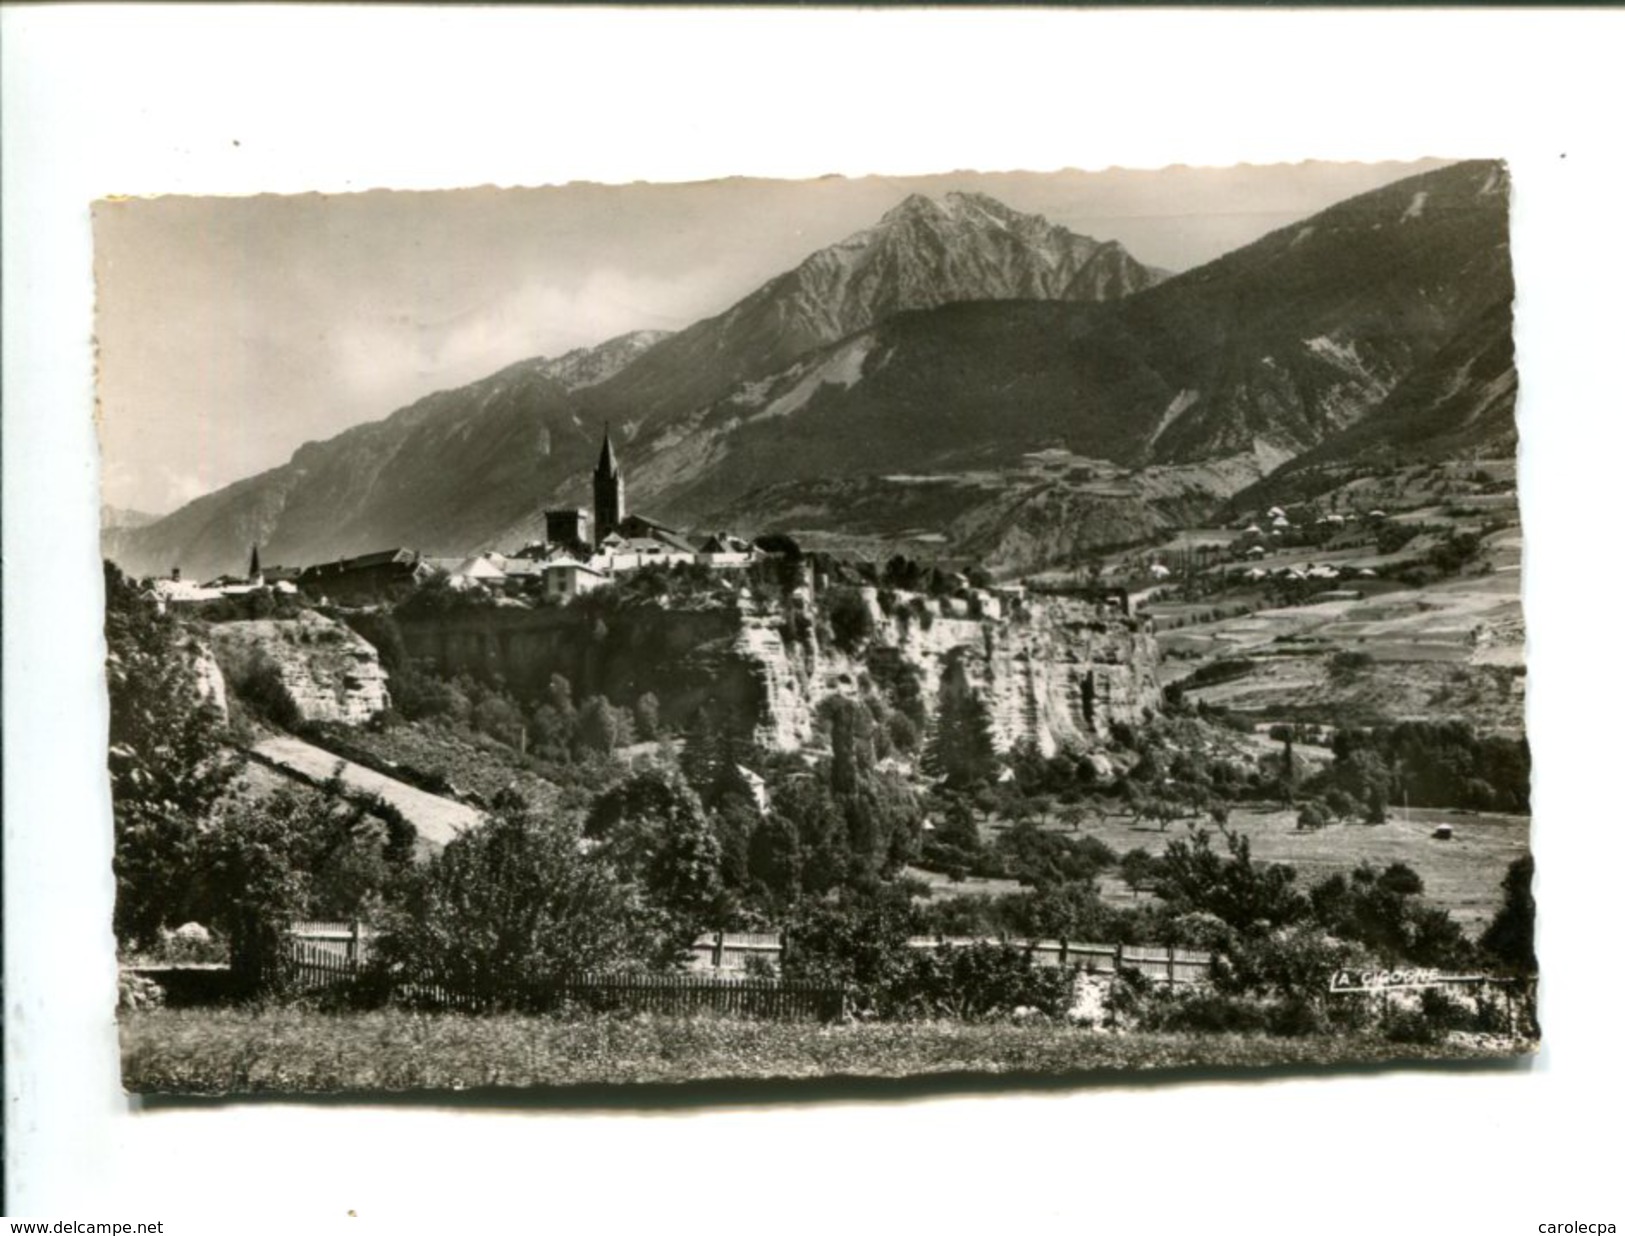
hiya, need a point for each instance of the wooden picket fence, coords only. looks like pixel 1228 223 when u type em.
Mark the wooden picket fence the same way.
pixel 725 951
pixel 1158 962
pixel 328 954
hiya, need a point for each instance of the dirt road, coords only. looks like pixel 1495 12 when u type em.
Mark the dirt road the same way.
pixel 438 820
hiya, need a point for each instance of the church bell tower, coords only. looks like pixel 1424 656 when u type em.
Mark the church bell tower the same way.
pixel 608 493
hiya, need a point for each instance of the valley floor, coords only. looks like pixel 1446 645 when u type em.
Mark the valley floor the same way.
pixel 1462 875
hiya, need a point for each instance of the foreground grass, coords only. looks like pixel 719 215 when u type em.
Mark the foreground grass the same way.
pixel 234 1051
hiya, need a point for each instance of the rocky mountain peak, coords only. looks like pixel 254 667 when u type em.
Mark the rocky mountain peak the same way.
pixel 927 252
pixel 914 206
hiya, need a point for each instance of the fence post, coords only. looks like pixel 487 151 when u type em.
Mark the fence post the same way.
pixel 1117 958
pixel 352 950
pixel 716 950
pixel 1170 965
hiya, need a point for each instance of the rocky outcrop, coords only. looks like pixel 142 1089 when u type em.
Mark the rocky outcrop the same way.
pixel 325 670
pixel 211 683
pixel 1053 671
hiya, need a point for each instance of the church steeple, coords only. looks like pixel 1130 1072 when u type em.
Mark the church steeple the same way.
pixel 608 493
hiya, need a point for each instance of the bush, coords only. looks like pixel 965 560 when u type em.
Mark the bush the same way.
pixel 1203 1012
pixel 850 621
pixel 137 992
pixel 974 981
pixel 1314 815
pixel 1345 667
pixel 259 685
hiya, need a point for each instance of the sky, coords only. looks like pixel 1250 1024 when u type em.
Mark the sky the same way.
pixel 231 330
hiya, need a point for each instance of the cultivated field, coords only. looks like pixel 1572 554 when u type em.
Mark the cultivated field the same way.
pixel 225 1051
pixel 1452 647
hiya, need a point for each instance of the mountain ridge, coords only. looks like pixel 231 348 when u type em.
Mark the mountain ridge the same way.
pixel 1273 348
pixel 1258 357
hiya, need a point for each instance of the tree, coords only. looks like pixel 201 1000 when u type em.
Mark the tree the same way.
pixel 601 727
pixel 804 802
pixel 552 733
pixel 646 717
pixel 1195 877
pixel 1341 803
pixel 852 746
pixel 903 734
pixel 851 624
pixel 167 757
pixel 512 902
pixel 499 716
pixel 960 748
pixel 1383 911
pixel 1401 879
pixel 266 861
pixel 1362 773
pixel 655 831
pixel 1314 815
pixel 702 755
pixel 1139 869
pixel 1510 937
pixel 1074 815
pixel 774 862
pixel 1283 735
pixel 254 884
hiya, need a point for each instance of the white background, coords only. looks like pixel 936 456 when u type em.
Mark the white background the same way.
pixel 241 100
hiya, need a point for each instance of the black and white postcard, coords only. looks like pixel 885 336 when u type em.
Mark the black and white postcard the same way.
pixel 973 623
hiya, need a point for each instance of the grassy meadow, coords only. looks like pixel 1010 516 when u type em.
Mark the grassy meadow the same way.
pixel 298 1051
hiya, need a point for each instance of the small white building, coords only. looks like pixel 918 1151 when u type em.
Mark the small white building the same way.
pixel 724 551
pixel 567 578
pixel 173 591
pixel 630 553
pixel 480 570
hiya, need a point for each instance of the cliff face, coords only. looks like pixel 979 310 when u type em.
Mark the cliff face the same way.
pixel 686 657
pixel 1057 672
pixel 327 671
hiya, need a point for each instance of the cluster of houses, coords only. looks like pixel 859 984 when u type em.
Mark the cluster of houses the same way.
pixel 573 557
pixel 1280 523
pixel 1311 571
pixel 1257 542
